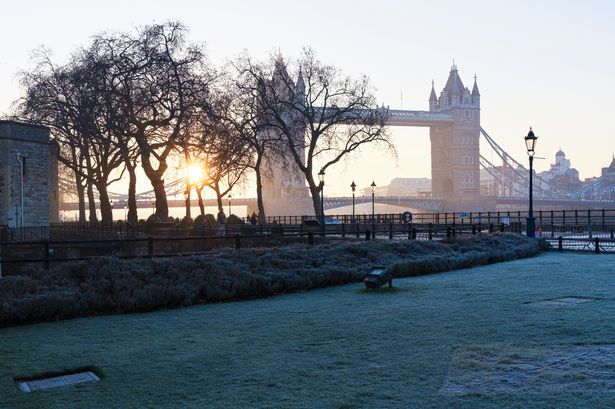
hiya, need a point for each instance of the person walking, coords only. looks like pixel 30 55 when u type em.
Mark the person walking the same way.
pixel 221 219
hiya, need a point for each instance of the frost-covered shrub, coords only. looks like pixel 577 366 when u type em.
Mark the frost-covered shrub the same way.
pixel 111 285
pixel 186 223
pixel 233 219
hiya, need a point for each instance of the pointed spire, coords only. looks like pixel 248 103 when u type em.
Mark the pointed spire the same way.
pixel 454 85
pixel 432 96
pixel 475 92
pixel 300 81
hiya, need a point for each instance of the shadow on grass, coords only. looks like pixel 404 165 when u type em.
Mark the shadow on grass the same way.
pixel 387 290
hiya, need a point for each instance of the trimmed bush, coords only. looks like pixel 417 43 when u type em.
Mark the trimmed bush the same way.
pixel 186 223
pixel 233 219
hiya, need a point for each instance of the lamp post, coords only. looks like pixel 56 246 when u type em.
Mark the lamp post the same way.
pixel 125 216
pixel 373 185
pixel 353 187
pixel 230 204
pixel 530 144
pixel 187 201
pixel 321 177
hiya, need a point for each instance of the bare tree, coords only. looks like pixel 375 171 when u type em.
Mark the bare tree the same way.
pixel 323 116
pixel 156 80
pixel 239 111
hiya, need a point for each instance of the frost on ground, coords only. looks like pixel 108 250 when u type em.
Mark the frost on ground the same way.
pixel 344 347
pixel 492 369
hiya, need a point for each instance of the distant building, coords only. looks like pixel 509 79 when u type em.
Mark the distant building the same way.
pixel 608 174
pixel 409 187
pixel 561 176
pixel 402 187
pixel 28 176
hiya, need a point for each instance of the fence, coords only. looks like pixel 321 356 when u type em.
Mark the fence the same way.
pixel 595 236
pixel 596 218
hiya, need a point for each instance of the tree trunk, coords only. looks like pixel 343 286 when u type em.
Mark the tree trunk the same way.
pixel 162 206
pixel 259 195
pixel 106 211
pixel 219 198
pixel 200 196
pixel 133 217
pixel 80 198
pixel 316 192
pixel 187 193
pixel 91 202
pixel 155 177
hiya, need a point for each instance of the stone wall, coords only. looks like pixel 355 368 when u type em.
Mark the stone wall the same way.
pixel 30 145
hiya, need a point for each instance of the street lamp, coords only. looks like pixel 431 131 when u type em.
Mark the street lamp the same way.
pixel 530 144
pixel 353 187
pixel 321 177
pixel 230 204
pixel 125 216
pixel 373 185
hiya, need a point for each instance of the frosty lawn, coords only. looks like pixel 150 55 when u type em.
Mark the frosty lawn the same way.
pixel 458 339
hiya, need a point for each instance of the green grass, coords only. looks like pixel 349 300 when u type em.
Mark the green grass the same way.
pixel 338 347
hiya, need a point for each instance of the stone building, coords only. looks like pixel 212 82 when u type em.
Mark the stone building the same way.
pixel 284 186
pixel 455 146
pixel 561 175
pixel 28 176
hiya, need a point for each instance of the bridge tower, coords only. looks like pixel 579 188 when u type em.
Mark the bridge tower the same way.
pixel 455 146
pixel 284 187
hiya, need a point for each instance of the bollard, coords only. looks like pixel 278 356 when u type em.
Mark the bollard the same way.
pixel 237 242
pixel 356 225
pixel 409 231
pixel 390 231
pixel 430 234
pixel 473 230
pixel 454 230
pixel 448 232
pixel 597 245
pixel 414 233
pixel 343 230
pixel 502 228
pixel 560 244
pixel 310 238
pixel 490 228
pixel 367 234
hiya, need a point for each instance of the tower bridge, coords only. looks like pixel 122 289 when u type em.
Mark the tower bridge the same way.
pixel 455 133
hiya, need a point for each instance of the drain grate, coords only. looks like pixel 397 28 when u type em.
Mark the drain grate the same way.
pixel 56 381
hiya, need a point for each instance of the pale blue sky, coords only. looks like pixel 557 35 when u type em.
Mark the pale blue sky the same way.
pixel 548 64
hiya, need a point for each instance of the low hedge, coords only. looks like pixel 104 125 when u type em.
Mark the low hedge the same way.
pixel 113 286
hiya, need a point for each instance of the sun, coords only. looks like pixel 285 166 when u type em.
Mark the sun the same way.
pixel 195 172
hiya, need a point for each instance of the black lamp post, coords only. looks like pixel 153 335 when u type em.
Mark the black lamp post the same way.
pixel 125 216
pixel 353 187
pixel 321 177
pixel 373 185
pixel 230 204
pixel 530 144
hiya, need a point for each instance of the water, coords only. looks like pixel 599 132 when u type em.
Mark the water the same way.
pixel 145 212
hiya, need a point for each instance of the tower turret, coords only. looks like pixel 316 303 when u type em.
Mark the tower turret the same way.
pixel 433 99
pixel 475 94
